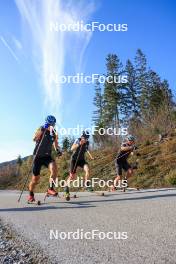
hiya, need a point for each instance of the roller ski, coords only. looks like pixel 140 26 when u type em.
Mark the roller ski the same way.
pixel 99 193
pixel 122 186
pixel 31 200
pixel 89 188
pixel 50 193
pixel 67 193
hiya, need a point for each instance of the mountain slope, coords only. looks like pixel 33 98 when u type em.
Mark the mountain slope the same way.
pixel 156 167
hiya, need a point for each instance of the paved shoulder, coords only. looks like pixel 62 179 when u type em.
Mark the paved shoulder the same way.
pixel 132 227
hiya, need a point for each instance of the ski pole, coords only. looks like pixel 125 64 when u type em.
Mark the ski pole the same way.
pixel 123 155
pixel 27 177
pixel 77 162
pixel 135 148
pixel 77 159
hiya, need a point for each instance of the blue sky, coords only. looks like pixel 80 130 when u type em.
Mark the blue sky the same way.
pixel 27 53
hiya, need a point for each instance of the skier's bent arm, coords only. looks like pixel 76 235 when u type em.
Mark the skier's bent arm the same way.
pixel 57 147
pixel 127 148
pixel 37 134
pixel 74 147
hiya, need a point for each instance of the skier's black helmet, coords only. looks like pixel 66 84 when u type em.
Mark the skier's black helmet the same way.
pixel 85 134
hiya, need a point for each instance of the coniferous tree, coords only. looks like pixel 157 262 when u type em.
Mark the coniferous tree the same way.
pixel 161 100
pixel 130 104
pixel 168 96
pixel 98 103
pixel 155 93
pixel 19 161
pixel 112 91
pixel 145 102
pixel 66 144
pixel 142 82
pixel 168 103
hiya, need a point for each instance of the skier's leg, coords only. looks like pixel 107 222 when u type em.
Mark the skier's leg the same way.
pixel 88 184
pixel 87 172
pixel 34 181
pixel 72 175
pixel 73 167
pixel 129 173
pixel 127 167
pixel 118 178
pixel 35 178
pixel 53 175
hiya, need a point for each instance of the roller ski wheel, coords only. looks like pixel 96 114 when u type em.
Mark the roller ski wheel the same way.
pixel 90 189
pixel 67 197
pixel 99 193
pixel 67 193
pixel 74 196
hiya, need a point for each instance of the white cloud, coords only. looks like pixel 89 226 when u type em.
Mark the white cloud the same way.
pixel 51 48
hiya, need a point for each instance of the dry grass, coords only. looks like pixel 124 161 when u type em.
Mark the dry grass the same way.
pixel 157 167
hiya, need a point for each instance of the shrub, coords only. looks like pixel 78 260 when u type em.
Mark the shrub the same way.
pixel 171 177
pixel 147 142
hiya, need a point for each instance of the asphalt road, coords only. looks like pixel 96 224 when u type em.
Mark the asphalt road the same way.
pixel 148 217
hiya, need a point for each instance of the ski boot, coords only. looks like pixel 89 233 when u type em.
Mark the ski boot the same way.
pixel 51 192
pixel 30 199
pixel 88 187
pixel 67 193
pixel 113 189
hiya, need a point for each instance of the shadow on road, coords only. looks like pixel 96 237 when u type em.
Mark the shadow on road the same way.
pixel 40 208
pixel 87 204
pixel 156 190
pixel 128 198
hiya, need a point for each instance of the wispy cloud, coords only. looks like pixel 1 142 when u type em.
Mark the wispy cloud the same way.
pixel 17 43
pixel 52 48
pixel 9 48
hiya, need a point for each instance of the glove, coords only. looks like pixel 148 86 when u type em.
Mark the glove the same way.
pixel 59 152
pixel 46 125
